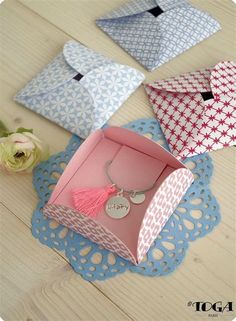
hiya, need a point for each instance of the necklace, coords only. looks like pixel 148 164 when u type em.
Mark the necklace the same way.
pixel 118 206
pixel 90 201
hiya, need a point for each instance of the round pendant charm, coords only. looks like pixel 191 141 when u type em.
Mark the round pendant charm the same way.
pixel 117 206
pixel 137 198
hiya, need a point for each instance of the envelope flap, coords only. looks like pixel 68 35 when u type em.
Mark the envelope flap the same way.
pixel 109 86
pixel 130 8
pixel 74 59
pixel 83 59
pixel 171 4
pixel 223 79
pixel 180 116
pixel 140 6
pixel 192 82
pixel 53 75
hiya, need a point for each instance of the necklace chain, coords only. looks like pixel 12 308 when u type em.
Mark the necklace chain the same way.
pixel 134 191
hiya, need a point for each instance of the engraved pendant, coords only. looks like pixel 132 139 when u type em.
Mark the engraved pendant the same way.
pixel 117 207
pixel 137 198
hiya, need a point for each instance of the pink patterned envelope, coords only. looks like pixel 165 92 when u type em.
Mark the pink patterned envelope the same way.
pixel 137 162
pixel 197 110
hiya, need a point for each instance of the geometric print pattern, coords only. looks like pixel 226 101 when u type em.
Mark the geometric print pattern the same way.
pixel 80 106
pixel 161 207
pixel 151 40
pixel 191 125
pixel 139 6
pixel 89 228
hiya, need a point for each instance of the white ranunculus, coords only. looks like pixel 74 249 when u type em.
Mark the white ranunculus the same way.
pixel 21 152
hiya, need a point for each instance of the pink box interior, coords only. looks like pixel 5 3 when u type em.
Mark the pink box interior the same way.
pixel 137 163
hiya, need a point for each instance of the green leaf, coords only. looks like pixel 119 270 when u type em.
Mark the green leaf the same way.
pixel 3 130
pixel 23 130
pixel 6 134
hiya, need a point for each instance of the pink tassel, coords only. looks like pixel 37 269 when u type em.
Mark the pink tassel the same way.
pixel 89 201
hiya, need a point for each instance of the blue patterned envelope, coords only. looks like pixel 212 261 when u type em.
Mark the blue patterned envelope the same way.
pixel 80 89
pixel 155 31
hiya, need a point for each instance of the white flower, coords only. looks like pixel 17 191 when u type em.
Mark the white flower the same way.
pixel 21 152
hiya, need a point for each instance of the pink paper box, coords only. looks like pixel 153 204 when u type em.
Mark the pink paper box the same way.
pixel 137 163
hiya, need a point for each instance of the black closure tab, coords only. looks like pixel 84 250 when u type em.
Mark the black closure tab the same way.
pixel 156 11
pixel 78 77
pixel 207 95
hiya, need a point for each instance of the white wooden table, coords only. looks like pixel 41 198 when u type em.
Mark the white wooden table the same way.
pixel 37 283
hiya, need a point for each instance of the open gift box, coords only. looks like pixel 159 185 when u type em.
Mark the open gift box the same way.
pixel 136 163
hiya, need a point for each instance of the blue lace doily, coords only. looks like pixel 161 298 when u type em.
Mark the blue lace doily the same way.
pixel 197 214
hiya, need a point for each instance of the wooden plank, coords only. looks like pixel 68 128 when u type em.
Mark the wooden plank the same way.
pixel 200 278
pixel 30 42
pixel 37 284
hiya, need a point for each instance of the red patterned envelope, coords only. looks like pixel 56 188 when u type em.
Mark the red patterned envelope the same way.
pixel 197 110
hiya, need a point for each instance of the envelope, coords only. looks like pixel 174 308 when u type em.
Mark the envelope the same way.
pixel 197 110
pixel 80 89
pixel 155 31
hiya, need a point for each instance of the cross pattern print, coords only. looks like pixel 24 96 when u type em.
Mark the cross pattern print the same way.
pixel 191 125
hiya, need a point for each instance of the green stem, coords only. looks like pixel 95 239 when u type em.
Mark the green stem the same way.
pixel 3 129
